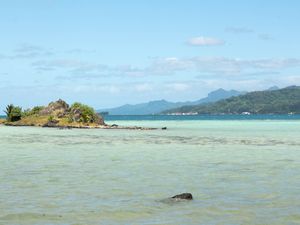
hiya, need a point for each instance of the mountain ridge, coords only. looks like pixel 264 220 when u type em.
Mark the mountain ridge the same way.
pixel 157 106
pixel 279 101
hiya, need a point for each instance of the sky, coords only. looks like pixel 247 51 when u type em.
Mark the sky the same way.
pixel 109 53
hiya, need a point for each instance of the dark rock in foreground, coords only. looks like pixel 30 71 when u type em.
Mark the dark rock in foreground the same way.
pixel 186 196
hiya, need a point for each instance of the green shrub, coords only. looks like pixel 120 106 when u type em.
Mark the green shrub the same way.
pixel 13 113
pixel 70 119
pixel 51 118
pixel 26 112
pixel 36 110
pixel 82 113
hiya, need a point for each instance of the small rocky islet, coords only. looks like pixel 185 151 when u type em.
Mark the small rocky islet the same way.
pixel 59 114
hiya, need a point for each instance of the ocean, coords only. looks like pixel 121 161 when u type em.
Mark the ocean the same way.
pixel 239 170
pixel 203 117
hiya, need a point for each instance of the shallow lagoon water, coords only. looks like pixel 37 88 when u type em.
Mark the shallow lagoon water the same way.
pixel 240 172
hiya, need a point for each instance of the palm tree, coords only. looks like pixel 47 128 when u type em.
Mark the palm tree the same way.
pixel 13 113
pixel 8 111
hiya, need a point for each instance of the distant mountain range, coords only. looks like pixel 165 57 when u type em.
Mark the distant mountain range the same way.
pixel 271 101
pixel 155 107
pixel 273 88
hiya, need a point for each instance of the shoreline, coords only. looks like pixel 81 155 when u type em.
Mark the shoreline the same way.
pixel 108 127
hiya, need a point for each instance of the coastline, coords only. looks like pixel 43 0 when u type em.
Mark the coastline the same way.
pixel 60 115
pixel 77 126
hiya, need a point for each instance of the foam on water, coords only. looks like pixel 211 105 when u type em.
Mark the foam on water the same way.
pixel 239 172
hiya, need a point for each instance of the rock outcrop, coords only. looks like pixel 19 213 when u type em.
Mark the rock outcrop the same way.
pixel 185 196
pixel 59 108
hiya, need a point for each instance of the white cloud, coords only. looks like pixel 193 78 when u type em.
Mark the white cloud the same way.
pixel 91 88
pixel 79 51
pixel 178 86
pixel 143 87
pixel 30 51
pixel 265 37
pixel 238 30
pixel 205 41
pixel 62 63
pixel 170 66
pixel 113 89
pixel 220 66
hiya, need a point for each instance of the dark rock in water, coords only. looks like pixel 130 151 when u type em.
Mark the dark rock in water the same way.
pixel 178 198
pixel 114 125
pixel 186 196
pixel 164 128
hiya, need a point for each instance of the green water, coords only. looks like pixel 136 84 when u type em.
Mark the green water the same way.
pixel 240 172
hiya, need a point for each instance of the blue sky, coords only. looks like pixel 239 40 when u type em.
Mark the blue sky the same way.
pixel 108 53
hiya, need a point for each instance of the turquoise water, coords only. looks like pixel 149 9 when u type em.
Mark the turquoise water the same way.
pixel 203 117
pixel 240 172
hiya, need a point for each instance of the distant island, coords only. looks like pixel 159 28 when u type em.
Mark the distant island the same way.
pixel 60 115
pixel 156 107
pixel 271 101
